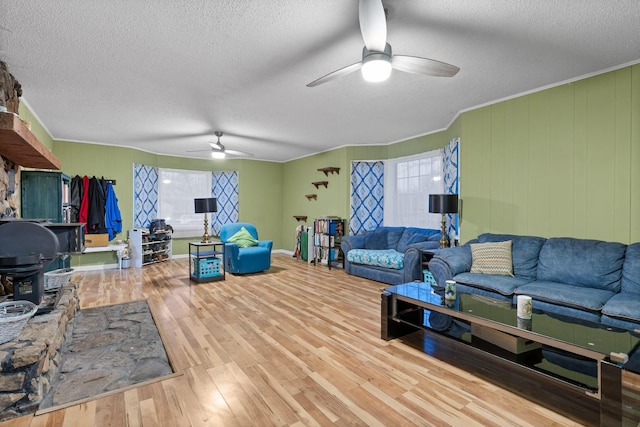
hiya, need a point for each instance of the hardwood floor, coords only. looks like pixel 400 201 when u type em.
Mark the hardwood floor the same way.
pixel 296 346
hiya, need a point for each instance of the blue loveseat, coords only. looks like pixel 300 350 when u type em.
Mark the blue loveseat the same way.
pixel 580 278
pixel 389 254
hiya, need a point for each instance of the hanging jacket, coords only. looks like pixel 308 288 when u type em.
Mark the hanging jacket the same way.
pixel 95 221
pixel 83 215
pixel 113 220
pixel 76 198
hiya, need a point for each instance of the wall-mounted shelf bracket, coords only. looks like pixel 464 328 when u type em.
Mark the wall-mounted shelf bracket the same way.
pixel 319 183
pixel 311 196
pixel 299 218
pixel 330 170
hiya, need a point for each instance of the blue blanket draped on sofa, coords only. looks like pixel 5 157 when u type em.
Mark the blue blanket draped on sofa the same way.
pixel 401 261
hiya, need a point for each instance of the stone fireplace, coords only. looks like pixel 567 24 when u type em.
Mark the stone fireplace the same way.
pixel 30 361
pixel 9 179
pixel 10 92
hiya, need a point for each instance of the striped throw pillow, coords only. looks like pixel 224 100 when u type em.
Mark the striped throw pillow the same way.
pixel 492 258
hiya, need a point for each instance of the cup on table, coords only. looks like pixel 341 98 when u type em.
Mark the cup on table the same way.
pixel 524 324
pixel 524 306
pixel 450 289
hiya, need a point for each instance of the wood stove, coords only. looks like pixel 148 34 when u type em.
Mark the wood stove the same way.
pixel 26 248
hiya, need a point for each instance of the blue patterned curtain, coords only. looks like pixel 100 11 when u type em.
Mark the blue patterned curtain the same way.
pixel 145 195
pixel 224 187
pixel 451 182
pixel 367 196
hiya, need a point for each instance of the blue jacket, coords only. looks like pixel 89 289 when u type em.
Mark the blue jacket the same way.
pixel 112 218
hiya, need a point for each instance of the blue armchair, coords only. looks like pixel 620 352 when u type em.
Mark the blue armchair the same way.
pixel 251 259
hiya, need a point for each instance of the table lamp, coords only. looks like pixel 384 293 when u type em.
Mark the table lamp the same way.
pixel 443 204
pixel 205 206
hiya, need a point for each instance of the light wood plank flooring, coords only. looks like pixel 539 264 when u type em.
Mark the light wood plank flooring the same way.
pixel 296 346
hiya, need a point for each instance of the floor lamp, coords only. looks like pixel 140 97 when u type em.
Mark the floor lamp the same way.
pixel 205 206
pixel 443 204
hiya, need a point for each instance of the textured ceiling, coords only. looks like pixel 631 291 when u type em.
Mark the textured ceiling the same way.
pixel 163 75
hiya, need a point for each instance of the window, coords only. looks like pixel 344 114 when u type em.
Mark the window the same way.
pixel 408 181
pixel 176 191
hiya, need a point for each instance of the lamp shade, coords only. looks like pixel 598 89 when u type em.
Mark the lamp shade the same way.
pixel 443 203
pixel 205 205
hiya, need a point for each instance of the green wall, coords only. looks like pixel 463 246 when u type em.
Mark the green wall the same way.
pixel 560 162
pixel 335 199
pixel 259 186
pixel 36 128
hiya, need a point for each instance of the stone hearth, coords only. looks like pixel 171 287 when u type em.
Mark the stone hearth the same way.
pixel 108 348
pixel 30 361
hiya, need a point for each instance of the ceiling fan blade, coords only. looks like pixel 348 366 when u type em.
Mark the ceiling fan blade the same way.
pixel 238 153
pixel 196 151
pixel 426 66
pixel 335 74
pixel 373 24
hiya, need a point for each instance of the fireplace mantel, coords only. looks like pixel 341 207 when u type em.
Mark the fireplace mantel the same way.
pixel 20 145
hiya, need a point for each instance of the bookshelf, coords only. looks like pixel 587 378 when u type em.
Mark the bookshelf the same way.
pixel 327 235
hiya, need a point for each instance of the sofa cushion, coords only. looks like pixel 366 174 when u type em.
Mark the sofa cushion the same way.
pixel 582 262
pixel 624 306
pixel 568 295
pixel 505 285
pixel 631 270
pixel 524 251
pixel 412 235
pixel 383 238
pixel 492 258
pixel 573 313
pixel 389 258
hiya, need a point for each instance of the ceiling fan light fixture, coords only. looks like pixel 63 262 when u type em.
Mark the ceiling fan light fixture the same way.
pixel 376 66
pixel 218 154
pixel 376 70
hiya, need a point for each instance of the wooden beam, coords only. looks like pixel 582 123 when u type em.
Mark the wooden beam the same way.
pixel 19 145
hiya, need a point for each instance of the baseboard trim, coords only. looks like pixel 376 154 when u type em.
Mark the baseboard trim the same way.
pixel 98 267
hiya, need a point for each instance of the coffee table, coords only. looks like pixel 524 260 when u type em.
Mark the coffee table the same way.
pixel 582 354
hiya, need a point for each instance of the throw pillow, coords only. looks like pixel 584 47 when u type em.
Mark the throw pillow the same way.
pixel 243 238
pixel 492 258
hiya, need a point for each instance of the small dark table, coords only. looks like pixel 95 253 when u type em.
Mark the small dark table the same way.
pixel 206 261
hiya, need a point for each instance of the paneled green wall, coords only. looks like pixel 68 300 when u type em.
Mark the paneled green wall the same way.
pixel 560 162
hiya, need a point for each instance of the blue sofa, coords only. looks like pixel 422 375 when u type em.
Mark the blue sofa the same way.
pixel 579 278
pixel 252 259
pixel 389 254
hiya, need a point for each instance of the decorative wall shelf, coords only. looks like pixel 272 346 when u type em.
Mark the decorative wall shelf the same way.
pixel 311 196
pixel 299 218
pixel 330 170
pixel 319 183
pixel 19 145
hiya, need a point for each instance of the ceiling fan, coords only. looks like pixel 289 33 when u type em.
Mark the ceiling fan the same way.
pixel 377 60
pixel 219 151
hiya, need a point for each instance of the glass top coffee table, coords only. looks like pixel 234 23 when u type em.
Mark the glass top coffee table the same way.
pixel 578 352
